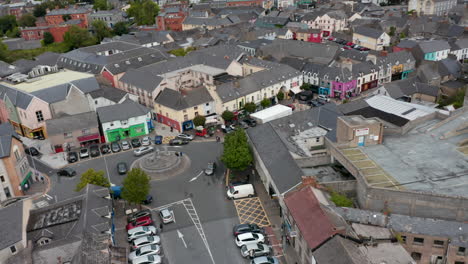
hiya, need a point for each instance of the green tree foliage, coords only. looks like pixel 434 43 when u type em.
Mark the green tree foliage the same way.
pixel 40 10
pixel 7 24
pixel 265 103
pixel 120 28
pixel 136 186
pixel 402 35
pixel 237 154
pixel 250 107
pixel 455 100
pixel 341 200
pixel 13 33
pixel 227 115
pixel 280 96
pixel 66 17
pixel 143 11
pixel 306 86
pixel 27 20
pixel 392 31
pixel 77 37
pixel 199 120
pixel 48 38
pixel 182 51
pixel 101 30
pixel 92 177
pixel 101 5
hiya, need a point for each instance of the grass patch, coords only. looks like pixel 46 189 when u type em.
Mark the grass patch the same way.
pixel 341 200
pixel 182 52
pixel 11 56
pixel 456 100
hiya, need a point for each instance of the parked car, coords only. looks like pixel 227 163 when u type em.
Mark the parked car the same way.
pixel 210 168
pixel 68 172
pixel 136 143
pixel 137 215
pixel 142 151
pixel 330 38
pixel 246 228
pixel 313 103
pixel 292 106
pixel 145 241
pixel 255 250
pixel 347 48
pixel 227 129
pixel 158 140
pixel 185 136
pixel 94 150
pixel 251 122
pixel 243 124
pixel 146 141
pixel 148 200
pixel 122 168
pixel 148 259
pixel 249 238
pixel 84 153
pixel 115 146
pixel 265 260
pixel 32 151
pixel 141 231
pixel 105 149
pixel 323 97
pixel 142 221
pixel 167 216
pixel 72 157
pixel 125 145
pixel 178 141
pixel 145 251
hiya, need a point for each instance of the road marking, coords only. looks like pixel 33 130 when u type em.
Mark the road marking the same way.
pixel 196 177
pixel 179 234
pixel 107 170
pixel 48 196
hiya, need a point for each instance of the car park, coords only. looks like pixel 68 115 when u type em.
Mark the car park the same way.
pixel 72 157
pixel 249 238
pixel 178 141
pixel 84 153
pixel 67 172
pixel 122 168
pixel 146 141
pixel 142 221
pixel 145 241
pixel 246 228
pixel 148 259
pixel 135 142
pixel 167 216
pixel 145 251
pixel 251 122
pixel 141 231
pixel 32 151
pixel 265 260
pixel 137 215
pixel 143 150
pixel 115 146
pixel 158 140
pixel 185 136
pixel 210 168
pixel 94 151
pixel 255 250
pixel 125 145
pixel 105 149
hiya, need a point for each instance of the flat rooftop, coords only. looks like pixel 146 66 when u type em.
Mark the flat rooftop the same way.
pixel 49 80
pixel 428 158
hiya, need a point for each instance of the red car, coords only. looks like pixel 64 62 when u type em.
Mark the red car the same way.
pixel 292 106
pixel 331 38
pixel 347 48
pixel 349 44
pixel 142 221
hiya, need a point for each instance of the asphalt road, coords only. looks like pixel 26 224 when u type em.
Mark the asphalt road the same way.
pixel 193 196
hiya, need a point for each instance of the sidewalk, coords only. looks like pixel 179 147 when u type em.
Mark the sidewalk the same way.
pixel 49 157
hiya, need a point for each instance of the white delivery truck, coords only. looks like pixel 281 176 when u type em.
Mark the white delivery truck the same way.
pixel 272 113
pixel 240 191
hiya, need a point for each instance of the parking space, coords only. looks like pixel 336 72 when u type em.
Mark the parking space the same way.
pixel 250 210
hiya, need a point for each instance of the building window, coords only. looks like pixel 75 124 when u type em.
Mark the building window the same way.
pixel 13 249
pixel 461 251
pixel 418 241
pixel 39 116
pixel 67 135
pixel 207 104
pixel 7 192
pixel 416 255
pixel 184 111
pixel 96 102
pixel 185 117
pixel 195 108
pixel 196 113
pixel 85 131
pixel 2 178
pixel 403 239
pixel 438 243
pixel 17 155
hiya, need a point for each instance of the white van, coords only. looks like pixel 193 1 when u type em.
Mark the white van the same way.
pixel 240 191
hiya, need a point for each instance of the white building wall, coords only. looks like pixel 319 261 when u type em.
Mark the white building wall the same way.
pixel 4 184
pixel 130 122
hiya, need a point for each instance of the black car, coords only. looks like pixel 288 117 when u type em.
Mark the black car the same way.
pixel 122 167
pixel 72 157
pixel 105 149
pixel 115 147
pixel 246 228
pixel 32 151
pixel 136 143
pixel 250 122
pixel 94 150
pixel 313 103
pixel 68 172
pixel 178 141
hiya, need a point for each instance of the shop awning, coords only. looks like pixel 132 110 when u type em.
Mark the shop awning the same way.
pixel 88 137
pixel 26 178
pixel 296 89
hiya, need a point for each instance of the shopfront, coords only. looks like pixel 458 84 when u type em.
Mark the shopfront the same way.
pixel 89 139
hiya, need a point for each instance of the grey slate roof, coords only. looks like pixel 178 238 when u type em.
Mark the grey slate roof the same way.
pixel 59 93
pixel 408 87
pixel 11 220
pixel 254 44
pixel 460 44
pixel 450 67
pixel 48 58
pixel 108 92
pixel 211 21
pixel 433 46
pixel 7 69
pixel 65 11
pixel 340 251
pixel 20 44
pixel 58 126
pixel 407 44
pixel 6 133
pixel 368 32
pixel 142 79
pixel 274 154
pixel 123 111
pixel 179 101
pixel 17 98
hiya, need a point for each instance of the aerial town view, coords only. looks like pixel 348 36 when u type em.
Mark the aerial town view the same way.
pixel 233 132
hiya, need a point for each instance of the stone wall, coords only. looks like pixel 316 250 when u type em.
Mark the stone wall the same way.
pixel 346 187
pixel 316 160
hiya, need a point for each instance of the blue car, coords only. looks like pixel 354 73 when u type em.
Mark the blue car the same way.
pixel 158 140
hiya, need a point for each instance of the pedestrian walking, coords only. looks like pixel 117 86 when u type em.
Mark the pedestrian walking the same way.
pixel 172 129
pixel 42 179
pixel 161 226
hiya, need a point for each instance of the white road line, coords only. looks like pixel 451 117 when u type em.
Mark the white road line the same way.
pixel 196 177
pixel 167 205
pixel 107 170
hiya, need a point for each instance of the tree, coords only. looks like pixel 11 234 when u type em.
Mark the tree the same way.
pixel 265 103
pixel 77 37
pixel 7 23
pixel 280 96
pixel 236 154
pixel 101 5
pixel 27 20
pixel 250 107
pixel 101 30
pixel 306 86
pixel 402 35
pixel 40 10
pixel 392 31
pixel 143 11
pixel 92 177
pixel 120 28
pixel 48 38
pixel 13 33
pixel 136 186
pixel 199 120
pixel 66 17
pixel 227 115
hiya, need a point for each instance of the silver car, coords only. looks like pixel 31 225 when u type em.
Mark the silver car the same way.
pixel 167 216
pixel 265 260
pixel 145 241
pixel 255 250
pixel 125 145
pixel 146 141
pixel 185 136
pixel 142 151
pixel 145 251
pixel 141 231
pixel 149 259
